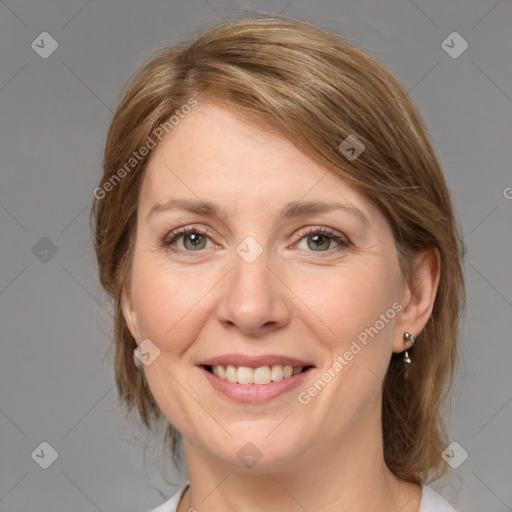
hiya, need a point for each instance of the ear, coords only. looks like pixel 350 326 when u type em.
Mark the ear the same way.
pixel 418 297
pixel 129 313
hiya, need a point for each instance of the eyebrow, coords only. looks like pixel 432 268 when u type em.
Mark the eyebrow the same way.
pixel 290 210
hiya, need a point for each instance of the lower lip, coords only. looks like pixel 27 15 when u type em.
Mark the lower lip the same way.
pixel 254 393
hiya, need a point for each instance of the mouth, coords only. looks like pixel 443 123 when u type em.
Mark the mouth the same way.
pixel 255 379
pixel 262 375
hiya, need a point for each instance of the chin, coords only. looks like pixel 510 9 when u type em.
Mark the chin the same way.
pixel 257 450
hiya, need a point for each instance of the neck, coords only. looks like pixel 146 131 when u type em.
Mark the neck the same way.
pixel 342 474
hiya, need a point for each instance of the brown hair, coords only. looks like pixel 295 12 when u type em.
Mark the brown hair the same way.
pixel 316 89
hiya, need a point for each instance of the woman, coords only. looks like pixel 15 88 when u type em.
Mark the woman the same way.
pixel 276 233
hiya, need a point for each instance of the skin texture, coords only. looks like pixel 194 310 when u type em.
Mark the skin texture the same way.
pixel 295 300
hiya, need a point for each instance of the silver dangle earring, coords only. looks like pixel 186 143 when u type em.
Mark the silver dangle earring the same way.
pixel 409 338
pixel 136 361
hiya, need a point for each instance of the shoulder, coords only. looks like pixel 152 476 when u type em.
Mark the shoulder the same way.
pixel 433 502
pixel 171 504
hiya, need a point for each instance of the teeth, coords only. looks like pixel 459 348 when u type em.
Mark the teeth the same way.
pixel 261 375
pixel 245 375
pixel 231 374
pixel 221 372
pixel 277 372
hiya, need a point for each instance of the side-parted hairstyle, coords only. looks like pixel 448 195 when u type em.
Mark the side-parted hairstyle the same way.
pixel 316 89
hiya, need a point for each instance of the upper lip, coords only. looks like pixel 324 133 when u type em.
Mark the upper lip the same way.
pixel 253 361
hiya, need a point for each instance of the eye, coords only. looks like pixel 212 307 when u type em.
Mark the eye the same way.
pixel 194 238
pixel 320 239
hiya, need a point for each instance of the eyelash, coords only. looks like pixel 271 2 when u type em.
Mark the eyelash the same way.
pixel 178 233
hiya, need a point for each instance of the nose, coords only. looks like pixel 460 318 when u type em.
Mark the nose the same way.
pixel 254 298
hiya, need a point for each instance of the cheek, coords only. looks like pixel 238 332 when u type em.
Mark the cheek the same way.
pixel 163 299
pixel 358 306
pixel 168 309
pixel 349 301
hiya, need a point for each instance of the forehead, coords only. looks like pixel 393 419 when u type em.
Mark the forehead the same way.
pixel 214 154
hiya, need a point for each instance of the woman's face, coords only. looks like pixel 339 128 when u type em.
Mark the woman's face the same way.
pixel 266 278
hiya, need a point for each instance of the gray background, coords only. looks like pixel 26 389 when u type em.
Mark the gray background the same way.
pixel 56 377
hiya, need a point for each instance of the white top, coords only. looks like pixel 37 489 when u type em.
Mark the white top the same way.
pixel 430 501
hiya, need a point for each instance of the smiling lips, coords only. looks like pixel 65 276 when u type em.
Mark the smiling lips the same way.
pixel 263 388
pixel 257 370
